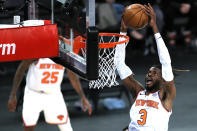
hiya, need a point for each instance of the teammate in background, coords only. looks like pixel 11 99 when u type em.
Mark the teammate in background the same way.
pixel 153 104
pixel 43 93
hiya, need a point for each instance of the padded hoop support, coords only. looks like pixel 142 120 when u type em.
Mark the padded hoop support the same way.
pixel 92 57
pixel 19 43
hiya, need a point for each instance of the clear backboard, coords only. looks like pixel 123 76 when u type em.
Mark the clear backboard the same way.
pixel 79 47
pixel 76 19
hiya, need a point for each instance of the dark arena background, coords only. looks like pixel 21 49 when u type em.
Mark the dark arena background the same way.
pixel 179 31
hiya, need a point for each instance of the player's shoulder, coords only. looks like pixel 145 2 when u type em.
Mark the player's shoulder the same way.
pixel 27 62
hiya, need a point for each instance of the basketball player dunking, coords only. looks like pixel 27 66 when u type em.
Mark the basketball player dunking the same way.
pixel 43 93
pixel 152 105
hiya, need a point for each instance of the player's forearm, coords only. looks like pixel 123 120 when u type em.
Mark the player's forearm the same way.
pixel 123 70
pixel 155 28
pixel 79 90
pixel 16 82
pixel 119 58
pixel 164 58
pixel 163 53
pixel 75 83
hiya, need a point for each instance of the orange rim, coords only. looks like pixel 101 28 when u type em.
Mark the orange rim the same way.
pixel 79 42
pixel 112 44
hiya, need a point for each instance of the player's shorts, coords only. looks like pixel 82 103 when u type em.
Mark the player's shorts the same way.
pixel 52 105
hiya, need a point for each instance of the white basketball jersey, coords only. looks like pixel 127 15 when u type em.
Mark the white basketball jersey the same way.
pixel 44 75
pixel 148 113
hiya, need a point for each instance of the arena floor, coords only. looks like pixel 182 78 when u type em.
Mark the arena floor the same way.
pixel 184 115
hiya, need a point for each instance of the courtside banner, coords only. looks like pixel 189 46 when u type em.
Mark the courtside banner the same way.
pixel 28 42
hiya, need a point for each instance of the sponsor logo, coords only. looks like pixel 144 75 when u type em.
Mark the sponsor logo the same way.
pixel 7 49
pixel 60 117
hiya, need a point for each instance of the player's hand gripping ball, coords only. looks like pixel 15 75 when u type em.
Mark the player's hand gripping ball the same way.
pixel 135 17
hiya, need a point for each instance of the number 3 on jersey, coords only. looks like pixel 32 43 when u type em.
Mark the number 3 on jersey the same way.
pixel 49 77
pixel 143 113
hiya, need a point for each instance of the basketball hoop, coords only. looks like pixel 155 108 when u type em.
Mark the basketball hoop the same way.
pixel 107 66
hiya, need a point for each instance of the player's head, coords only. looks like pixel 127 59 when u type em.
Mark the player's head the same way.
pixel 153 78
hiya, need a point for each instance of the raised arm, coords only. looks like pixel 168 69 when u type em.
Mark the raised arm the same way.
pixel 164 57
pixel 124 71
pixel 12 102
pixel 77 86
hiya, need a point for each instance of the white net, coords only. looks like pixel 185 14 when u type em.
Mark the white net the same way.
pixel 107 66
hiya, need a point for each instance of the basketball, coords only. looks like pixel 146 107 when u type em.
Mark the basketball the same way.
pixel 135 17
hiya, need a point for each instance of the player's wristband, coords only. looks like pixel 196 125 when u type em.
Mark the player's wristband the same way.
pixel 163 53
pixel 157 36
pixel 123 33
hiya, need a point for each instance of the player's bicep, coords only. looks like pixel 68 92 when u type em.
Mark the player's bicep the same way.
pixel 132 85
pixel 20 74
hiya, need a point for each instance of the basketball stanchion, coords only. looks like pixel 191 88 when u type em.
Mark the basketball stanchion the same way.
pixel 107 66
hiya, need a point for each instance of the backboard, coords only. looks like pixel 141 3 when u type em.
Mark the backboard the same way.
pixel 77 18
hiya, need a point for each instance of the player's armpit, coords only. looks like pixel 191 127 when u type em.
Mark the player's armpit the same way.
pixel 132 85
pixel 168 94
pixel 169 89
